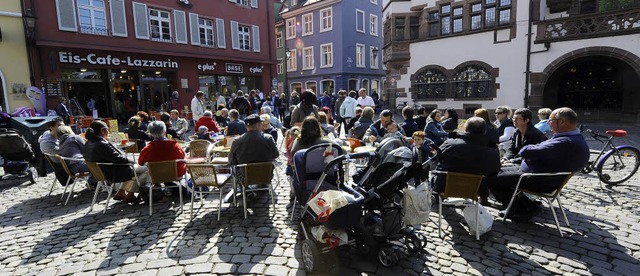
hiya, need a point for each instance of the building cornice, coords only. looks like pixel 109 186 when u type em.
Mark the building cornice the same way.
pixel 312 7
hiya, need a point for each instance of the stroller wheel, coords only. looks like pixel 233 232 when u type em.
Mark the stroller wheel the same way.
pixel 423 240
pixel 413 243
pixel 310 255
pixel 387 256
pixel 33 175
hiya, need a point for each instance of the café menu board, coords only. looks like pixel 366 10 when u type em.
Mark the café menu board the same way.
pixel 54 88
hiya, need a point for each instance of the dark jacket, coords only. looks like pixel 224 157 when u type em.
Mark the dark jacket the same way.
pixel 253 147
pixel 360 127
pixel 518 141
pixel 336 106
pixel 450 124
pixel 421 121
pixel 409 126
pixel 140 135
pixel 467 154
pixel 97 149
pixel 434 132
pixel 236 127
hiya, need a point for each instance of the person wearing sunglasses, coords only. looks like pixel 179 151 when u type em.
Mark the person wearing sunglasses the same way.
pixel 505 127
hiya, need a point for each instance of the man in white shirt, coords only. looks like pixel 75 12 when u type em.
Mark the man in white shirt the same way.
pixel 197 105
pixel 365 100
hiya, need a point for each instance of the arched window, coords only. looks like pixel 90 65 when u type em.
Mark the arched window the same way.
pixel 472 81
pixel 429 84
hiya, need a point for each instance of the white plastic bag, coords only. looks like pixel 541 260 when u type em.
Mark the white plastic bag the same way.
pixel 335 238
pixel 417 204
pixel 485 219
pixel 327 202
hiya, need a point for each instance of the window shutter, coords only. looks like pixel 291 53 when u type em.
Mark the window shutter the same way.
pixel 254 4
pixel 256 38
pixel 118 18
pixel 66 15
pixel 222 43
pixel 235 44
pixel 194 28
pixel 141 20
pixel 181 26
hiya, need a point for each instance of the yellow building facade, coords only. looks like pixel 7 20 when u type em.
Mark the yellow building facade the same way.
pixel 14 62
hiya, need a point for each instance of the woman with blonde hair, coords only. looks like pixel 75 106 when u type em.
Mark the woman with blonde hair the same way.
pixel 268 128
pixel 491 133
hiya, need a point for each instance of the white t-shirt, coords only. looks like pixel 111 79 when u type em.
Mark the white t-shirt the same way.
pixel 367 101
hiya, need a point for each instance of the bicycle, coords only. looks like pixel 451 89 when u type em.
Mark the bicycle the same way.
pixel 614 164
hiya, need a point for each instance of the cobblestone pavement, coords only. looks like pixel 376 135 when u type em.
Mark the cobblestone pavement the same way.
pixel 41 236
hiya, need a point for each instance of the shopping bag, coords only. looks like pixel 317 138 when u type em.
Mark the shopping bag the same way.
pixel 334 238
pixel 326 202
pixel 417 204
pixel 485 219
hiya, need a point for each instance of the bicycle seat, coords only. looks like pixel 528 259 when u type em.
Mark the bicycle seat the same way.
pixel 617 133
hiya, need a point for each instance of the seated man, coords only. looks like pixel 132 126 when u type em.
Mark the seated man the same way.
pixel 566 151
pixel 468 153
pixel 161 148
pixel 377 130
pixel 526 134
pixel 222 116
pixel 71 146
pixel 236 127
pixel 179 124
pixel 254 146
pixel 49 144
pixel 207 120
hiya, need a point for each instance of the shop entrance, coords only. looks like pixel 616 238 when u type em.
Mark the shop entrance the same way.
pixel 155 91
pixel 84 90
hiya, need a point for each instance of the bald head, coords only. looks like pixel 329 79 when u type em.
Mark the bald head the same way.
pixel 475 125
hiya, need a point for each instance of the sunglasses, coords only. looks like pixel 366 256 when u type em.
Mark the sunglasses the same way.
pixel 499 113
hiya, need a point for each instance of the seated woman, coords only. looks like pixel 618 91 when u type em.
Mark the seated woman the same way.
pixel 203 133
pixel 505 128
pixel 144 119
pixel 310 135
pixel 543 115
pixel 450 122
pixel 268 128
pixel 491 133
pixel 98 149
pixel 327 128
pixel 434 130
pixel 71 146
pixel 136 132
pixel 526 134
pixel 365 121
pixel 171 132
pixel 161 148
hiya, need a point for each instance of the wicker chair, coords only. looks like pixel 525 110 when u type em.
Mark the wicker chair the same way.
pixel 460 185
pixel 206 175
pixel 199 148
pixel 252 174
pixel 161 172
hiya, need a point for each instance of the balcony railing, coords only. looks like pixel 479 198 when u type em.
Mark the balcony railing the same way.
pixel 589 26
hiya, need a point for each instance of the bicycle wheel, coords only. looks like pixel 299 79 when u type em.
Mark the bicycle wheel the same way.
pixel 618 165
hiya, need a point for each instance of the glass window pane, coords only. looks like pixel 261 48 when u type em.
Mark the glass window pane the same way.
pixel 490 17
pixel 434 29
pixel 98 3
pixel 457 25
pixel 490 2
pixel 433 16
pixel 457 11
pixel 505 16
pixel 445 25
pixel 505 2
pixel 476 22
pixel 476 7
pixel 83 2
pixel 446 9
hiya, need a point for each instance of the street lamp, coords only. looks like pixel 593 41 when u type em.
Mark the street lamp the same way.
pixel 287 54
pixel 30 26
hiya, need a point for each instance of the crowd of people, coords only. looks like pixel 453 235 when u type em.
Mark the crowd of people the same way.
pixel 501 150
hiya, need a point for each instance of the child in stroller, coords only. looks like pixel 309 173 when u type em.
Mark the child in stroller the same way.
pixel 16 154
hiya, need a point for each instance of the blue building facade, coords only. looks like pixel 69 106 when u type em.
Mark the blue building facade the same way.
pixel 333 45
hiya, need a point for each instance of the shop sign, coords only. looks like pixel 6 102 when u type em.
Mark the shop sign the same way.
pixel 207 67
pixel 94 59
pixel 256 69
pixel 233 68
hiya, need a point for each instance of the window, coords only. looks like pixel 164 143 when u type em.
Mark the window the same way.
pixel 399 28
pixel 244 38
pixel 360 55
pixel 472 81
pixel 490 17
pixel 307 24
pixel 434 24
pixel 280 68
pixel 373 26
pixel 326 55
pixel 373 55
pixel 457 20
pixel 307 58
pixel 476 16
pixel 92 17
pixel 429 84
pixel 360 21
pixel 241 2
pixel 326 17
pixel 414 27
pixel 278 39
pixel 159 23
pixel 206 32
pixel 291 28
pixel 293 61
pixel 445 19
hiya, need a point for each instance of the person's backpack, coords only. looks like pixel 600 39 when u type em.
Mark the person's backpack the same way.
pixel 242 106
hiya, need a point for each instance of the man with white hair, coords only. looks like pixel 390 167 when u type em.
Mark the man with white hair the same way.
pixel 275 122
pixel 207 120
pixel 161 148
pixel 365 100
pixel 179 124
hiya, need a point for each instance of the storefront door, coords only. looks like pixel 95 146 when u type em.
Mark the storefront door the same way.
pixel 155 91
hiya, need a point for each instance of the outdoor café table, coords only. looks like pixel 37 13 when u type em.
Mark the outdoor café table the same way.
pixel 363 162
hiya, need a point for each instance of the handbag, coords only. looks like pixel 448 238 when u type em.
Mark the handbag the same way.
pixel 417 204
pixel 485 219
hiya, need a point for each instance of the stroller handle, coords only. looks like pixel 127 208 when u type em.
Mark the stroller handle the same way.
pixel 341 158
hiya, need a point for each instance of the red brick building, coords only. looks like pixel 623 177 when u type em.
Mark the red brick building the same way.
pixel 131 55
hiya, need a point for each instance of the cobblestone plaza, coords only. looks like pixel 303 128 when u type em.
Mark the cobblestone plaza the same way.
pixel 41 236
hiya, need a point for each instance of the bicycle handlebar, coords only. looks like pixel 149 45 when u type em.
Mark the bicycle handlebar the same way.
pixel 593 134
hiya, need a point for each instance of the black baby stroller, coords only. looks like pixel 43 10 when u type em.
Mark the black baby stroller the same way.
pixel 16 154
pixel 318 176
pixel 383 182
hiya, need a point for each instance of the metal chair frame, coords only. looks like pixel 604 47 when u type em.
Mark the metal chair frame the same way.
pixel 460 185
pixel 80 175
pixel 49 159
pixel 103 183
pixel 254 173
pixel 164 171
pixel 199 172
pixel 549 197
